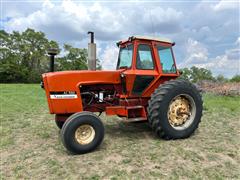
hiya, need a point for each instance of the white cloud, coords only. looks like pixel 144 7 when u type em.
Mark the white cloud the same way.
pixel 73 19
pixel 198 55
pixel 161 20
pixel 196 52
pixel 238 41
pixel 109 57
pixel 70 20
pixel 226 5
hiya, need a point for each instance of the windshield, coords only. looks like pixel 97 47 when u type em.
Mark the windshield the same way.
pixel 125 57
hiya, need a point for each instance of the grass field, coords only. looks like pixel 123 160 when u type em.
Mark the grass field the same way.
pixel 31 148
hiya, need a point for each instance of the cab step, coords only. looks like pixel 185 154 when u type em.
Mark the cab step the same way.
pixel 132 113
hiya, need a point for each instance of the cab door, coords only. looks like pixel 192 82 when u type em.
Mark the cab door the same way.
pixel 144 69
pixel 152 64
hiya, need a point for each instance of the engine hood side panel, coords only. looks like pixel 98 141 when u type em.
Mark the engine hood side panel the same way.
pixel 70 81
pixel 58 81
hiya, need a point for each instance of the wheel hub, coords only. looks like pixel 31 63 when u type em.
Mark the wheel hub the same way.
pixel 84 134
pixel 179 111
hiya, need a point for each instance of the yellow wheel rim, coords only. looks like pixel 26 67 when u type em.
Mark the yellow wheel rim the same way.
pixel 181 112
pixel 84 134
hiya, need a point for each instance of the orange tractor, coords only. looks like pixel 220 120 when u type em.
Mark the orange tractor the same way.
pixel 142 88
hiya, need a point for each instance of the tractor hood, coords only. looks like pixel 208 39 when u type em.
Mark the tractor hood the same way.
pixel 72 80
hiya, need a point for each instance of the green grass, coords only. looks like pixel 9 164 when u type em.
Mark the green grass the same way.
pixel 30 146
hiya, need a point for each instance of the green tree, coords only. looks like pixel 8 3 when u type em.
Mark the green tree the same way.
pixel 99 66
pixel 24 56
pixel 199 74
pixel 74 59
pixel 195 74
pixel 221 78
pixel 185 74
pixel 235 78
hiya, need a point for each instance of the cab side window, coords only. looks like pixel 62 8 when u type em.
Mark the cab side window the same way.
pixel 166 58
pixel 144 57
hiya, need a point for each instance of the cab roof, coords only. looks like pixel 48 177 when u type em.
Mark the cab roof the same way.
pixel 150 38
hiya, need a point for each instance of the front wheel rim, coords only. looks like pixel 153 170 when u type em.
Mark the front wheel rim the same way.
pixel 84 134
pixel 181 112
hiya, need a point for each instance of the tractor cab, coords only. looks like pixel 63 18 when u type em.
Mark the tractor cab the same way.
pixel 144 60
pixel 145 49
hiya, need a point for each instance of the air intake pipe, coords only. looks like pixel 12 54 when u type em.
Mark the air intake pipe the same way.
pixel 92 53
pixel 52 52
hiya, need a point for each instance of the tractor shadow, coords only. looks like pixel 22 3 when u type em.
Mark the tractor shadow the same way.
pixel 116 128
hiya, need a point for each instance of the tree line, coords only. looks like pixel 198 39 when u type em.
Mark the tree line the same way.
pixel 23 58
pixel 195 74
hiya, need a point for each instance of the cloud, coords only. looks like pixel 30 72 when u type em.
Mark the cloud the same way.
pixel 72 20
pixel 198 55
pixel 159 20
pixel 226 5
pixel 196 52
pixel 109 57
pixel 238 41
pixel 203 31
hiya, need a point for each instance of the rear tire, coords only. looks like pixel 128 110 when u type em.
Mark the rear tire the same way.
pixel 168 120
pixel 82 132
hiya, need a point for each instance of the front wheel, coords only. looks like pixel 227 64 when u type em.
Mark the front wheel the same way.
pixel 59 124
pixel 175 109
pixel 82 132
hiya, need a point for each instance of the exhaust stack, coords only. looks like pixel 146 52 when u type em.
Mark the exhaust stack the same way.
pixel 92 53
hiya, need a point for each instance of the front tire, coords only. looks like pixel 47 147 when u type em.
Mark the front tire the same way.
pixel 175 109
pixel 82 132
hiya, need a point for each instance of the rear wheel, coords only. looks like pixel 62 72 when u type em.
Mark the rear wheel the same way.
pixel 83 132
pixel 175 109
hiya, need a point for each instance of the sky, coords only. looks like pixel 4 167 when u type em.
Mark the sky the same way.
pixel 206 33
